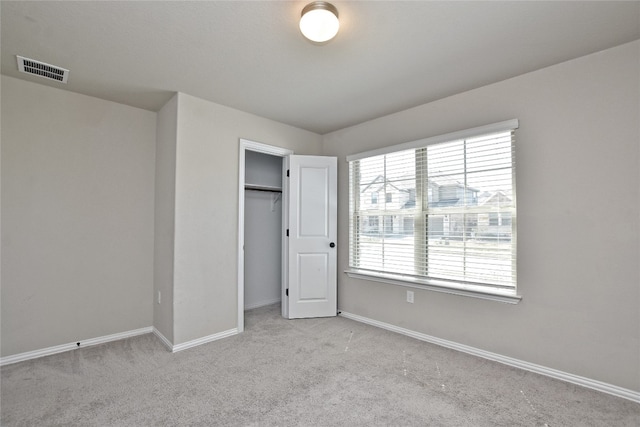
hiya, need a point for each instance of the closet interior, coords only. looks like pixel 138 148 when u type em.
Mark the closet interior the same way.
pixel 262 229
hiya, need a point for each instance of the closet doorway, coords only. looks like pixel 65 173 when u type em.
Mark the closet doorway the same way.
pixel 261 225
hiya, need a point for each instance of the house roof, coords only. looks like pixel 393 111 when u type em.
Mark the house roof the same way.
pixel 493 197
pixel 379 182
pixel 387 57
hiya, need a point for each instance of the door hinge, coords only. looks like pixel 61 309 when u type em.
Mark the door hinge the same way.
pixel 287 172
pixel 287 292
pixel 287 232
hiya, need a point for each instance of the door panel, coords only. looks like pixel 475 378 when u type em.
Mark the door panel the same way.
pixel 313 209
pixel 312 266
pixel 312 272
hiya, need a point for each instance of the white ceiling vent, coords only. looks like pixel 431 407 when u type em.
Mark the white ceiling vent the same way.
pixel 48 71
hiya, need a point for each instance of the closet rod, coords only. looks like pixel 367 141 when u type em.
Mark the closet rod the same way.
pixel 268 190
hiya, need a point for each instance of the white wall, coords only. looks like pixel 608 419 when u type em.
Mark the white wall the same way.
pixel 578 201
pixel 206 212
pixel 77 217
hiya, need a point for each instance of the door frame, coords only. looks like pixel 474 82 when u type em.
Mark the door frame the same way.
pixel 247 145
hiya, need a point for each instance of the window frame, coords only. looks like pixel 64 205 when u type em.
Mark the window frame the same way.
pixel 483 291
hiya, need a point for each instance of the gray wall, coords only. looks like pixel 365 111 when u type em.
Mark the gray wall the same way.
pixel 80 210
pixel 578 184
pixel 165 201
pixel 77 217
pixel 263 169
pixel 206 209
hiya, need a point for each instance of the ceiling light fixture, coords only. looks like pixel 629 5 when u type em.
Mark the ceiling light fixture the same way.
pixel 319 22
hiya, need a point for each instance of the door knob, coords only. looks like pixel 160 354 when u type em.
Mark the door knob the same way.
pixel 332 245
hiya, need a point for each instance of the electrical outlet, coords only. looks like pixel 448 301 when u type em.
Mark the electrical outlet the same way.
pixel 410 296
pixel 159 297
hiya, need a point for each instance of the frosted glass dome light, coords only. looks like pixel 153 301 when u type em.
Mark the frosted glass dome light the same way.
pixel 319 22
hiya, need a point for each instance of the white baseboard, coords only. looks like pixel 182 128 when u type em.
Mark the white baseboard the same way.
pixel 538 369
pixel 114 337
pixel 204 340
pixel 164 339
pixel 261 303
pixel 72 346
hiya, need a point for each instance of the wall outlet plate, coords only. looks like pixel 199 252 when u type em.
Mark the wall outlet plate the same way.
pixel 410 296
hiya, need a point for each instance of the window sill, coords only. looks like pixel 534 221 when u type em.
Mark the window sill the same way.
pixel 464 289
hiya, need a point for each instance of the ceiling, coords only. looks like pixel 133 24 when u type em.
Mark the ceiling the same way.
pixel 250 55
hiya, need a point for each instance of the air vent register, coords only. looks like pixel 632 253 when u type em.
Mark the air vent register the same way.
pixel 48 71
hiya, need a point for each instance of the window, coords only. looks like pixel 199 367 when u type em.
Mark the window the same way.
pixel 374 198
pixel 373 225
pixel 452 220
pixel 505 218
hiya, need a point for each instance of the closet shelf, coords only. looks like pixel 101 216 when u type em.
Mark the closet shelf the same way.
pixel 263 188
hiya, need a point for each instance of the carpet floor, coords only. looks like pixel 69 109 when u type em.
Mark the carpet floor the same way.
pixel 309 372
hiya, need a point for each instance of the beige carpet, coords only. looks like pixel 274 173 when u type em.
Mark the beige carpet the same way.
pixel 314 372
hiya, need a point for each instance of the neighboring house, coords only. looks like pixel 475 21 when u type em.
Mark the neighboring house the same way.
pixel 497 223
pixel 384 195
pixel 447 192
pixel 386 200
pixel 492 224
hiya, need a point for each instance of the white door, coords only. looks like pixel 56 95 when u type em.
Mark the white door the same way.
pixel 312 265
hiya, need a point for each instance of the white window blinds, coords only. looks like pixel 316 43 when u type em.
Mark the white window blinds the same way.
pixel 449 211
